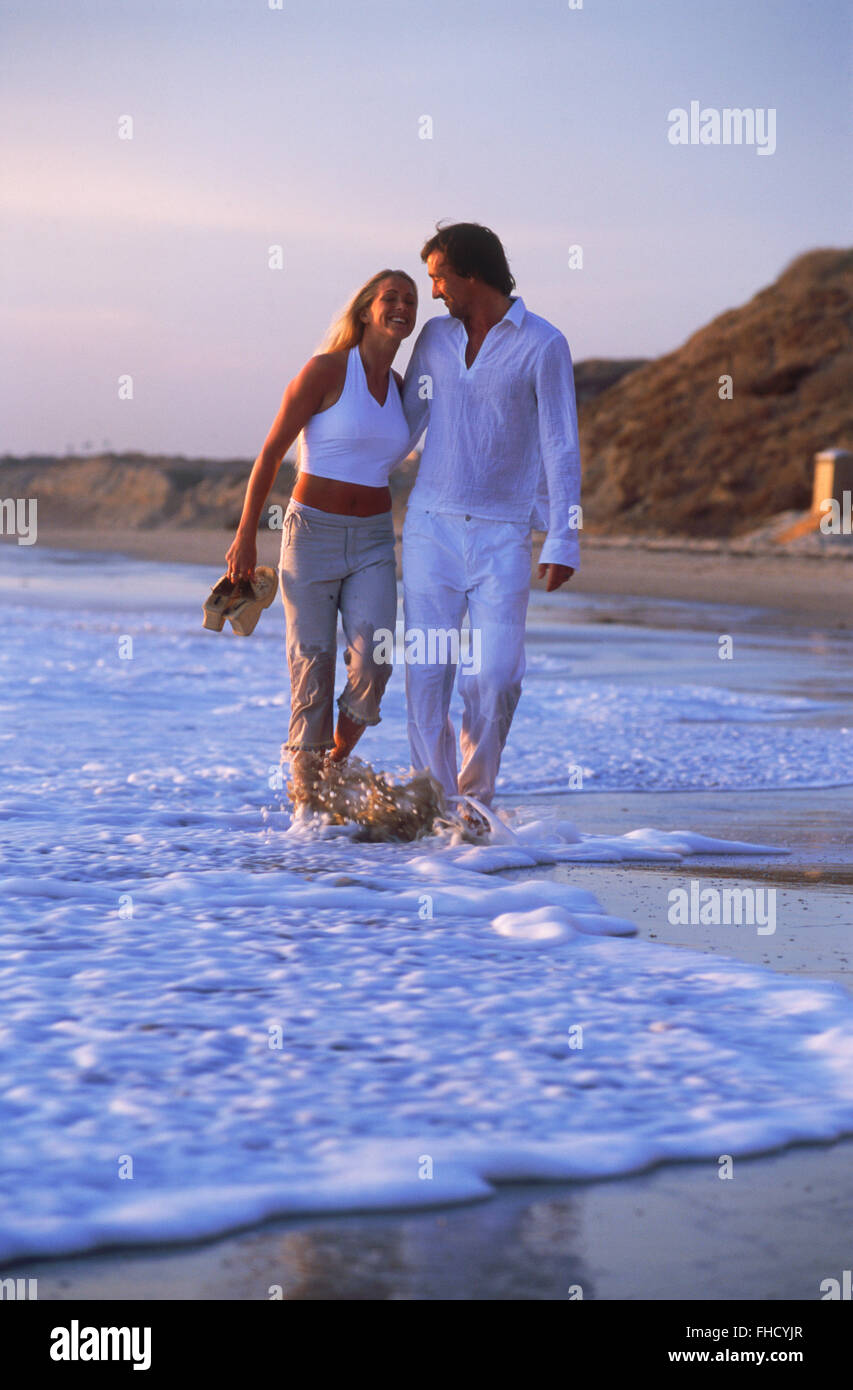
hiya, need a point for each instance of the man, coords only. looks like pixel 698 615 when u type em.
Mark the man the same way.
pixel 494 387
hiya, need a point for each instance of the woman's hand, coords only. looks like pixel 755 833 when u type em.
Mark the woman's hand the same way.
pixel 242 557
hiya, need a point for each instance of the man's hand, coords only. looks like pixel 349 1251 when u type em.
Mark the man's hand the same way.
pixel 557 575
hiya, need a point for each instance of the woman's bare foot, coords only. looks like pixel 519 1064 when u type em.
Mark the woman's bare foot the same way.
pixel 306 769
pixel 347 734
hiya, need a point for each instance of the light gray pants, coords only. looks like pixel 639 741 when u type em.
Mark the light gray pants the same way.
pixel 332 563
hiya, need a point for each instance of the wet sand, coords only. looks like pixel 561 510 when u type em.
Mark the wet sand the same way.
pixel 774 1231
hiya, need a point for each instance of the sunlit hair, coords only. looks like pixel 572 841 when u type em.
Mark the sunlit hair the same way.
pixel 348 329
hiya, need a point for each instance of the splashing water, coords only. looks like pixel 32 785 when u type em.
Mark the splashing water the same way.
pixel 353 791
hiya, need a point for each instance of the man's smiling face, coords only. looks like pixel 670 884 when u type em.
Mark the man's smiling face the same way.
pixel 454 289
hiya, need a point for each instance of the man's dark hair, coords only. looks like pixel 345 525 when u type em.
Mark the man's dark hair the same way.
pixel 472 250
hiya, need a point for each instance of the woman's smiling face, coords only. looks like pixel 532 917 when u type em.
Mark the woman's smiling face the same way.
pixel 394 307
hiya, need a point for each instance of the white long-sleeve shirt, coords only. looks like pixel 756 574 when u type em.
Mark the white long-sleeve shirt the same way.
pixel 502 435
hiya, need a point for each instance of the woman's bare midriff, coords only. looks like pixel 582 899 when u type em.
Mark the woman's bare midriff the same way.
pixel 345 499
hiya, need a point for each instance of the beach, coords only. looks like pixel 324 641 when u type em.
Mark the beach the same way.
pixel 623 1222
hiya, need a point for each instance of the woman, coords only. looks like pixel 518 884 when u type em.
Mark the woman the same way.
pixel 337 551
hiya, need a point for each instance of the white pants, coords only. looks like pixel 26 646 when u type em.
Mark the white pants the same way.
pixel 451 563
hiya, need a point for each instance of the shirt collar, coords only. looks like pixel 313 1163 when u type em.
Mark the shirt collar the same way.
pixel 513 316
pixel 515 313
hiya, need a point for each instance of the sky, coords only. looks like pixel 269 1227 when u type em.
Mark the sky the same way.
pixel 299 124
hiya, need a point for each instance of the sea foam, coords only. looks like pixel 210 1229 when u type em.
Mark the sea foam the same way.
pixel 254 1021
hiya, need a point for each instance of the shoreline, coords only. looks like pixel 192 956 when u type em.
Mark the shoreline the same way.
pixel 670 1231
pixel 800 590
pixel 666 1234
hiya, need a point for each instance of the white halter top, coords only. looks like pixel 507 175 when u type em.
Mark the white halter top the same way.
pixel 356 440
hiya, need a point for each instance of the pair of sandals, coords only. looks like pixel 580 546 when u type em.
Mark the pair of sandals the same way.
pixel 241 601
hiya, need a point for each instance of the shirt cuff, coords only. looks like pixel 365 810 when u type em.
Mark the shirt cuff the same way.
pixel 560 552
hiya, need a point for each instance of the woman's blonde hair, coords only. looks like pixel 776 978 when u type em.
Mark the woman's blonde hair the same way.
pixel 348 329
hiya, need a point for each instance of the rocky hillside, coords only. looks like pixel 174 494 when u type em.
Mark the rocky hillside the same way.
pixel 597 374
pixel 136 491
pixel 663 454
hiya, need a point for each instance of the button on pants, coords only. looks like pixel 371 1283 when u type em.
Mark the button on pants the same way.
pixel 452 564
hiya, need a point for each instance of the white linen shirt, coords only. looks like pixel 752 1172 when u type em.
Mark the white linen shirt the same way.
pixel 502 435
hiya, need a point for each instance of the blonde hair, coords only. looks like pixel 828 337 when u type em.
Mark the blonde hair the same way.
pixel 348 329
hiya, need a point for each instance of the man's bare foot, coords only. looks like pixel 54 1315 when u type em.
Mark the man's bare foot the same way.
pixel 474 821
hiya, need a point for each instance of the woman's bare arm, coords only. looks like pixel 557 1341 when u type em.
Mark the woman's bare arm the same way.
pixel 317 385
